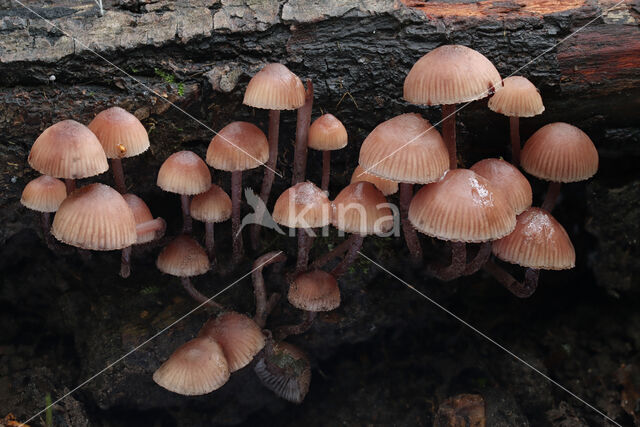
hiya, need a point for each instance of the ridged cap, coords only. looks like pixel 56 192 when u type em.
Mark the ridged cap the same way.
pixel 560 152
pixel 386 186
pixel 237 147
pixel 327 133
pixel 462 207
pixel 302 206
pixel 183 257
pixel 238 335
pixel 451 74
pixel 315 290
pixel 44 194
pixel 517 98
pixel 141 213
pixel 69 150
pixel 538 241
pixel 185 173
pixel 95 217
pixel 214 205
pixel 275 88
pixel 120 133
pixel 293 381
pixel 361 208
pixel 196 367
pixel 508 179
pixel 407 149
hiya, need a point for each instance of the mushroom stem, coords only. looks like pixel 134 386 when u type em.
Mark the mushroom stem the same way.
pixel 457 266
pixel 410 234
pixel 196 295
pixel 158 225
pixel 186 216
pixel 302 136
pixel 209 242
pixel 45 222
pixel 449 133
pixel 350 256
pixel 258 284
pixel 481 258
pixel 273 300
pixel 125 263
pixel 514 126
pixel 236 196
pixel 304 245
pixel 551 197
pixel 118 175
pixel 521 290
pixel 307 320
pixel 70 184
pixel 334 253
pixel 326 170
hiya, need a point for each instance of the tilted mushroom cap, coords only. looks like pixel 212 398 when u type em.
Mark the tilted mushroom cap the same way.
pixel 407 149
pixel 214 205
pixel 463 207
pixel 327 133
pixel 294 377
pixel 196 367
pixel 538 241
pixel 302 206
pixel 517 98
pixel 315 290
pixel 141 213
pixel 185 173
pixel 69 150
pixel 238 146
pixel 560 152
pixel 361 208
pixel 387 186
pixel 95 217
pixel 44 194
pixel 451 74
pixel 508 179
pixel 120 133
pixel 275 88
pixel 183 257
pixel 238 335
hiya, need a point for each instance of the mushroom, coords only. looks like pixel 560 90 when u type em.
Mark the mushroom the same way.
pixel 449 75
pixel 237 147
pixel 44 194
pixel 327 133
pixel 508 179
pixel 196 367
pixel 68 150
pixel 264 306
pixel 386 186
pixel 559 152
pixel 121 135
pixel 518 98
pixel 285 370
pixel 214 205
pixel 186 174
pixel 406 149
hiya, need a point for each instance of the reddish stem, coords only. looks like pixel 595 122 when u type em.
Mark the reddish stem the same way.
pixel 551 197
pixel 410 233
pixel 457 266
pixel 334 253
pixel 304 245
pixel 186 216
pixel 514 126
pixel 481 258
pixel 352 253
pixel 196 295
pixel 259 290
pixel 118 175
pixel 302 136
pixel 307 320
pixel 236 198
pixel 326 169
pixel 521 290
pixel 70 184
pixel 449 133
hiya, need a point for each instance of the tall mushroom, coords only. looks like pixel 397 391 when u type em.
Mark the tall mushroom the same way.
pixel 326 134
pixel 44 194
pixel 214 205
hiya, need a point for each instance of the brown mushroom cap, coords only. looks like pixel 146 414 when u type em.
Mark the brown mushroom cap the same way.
pixel 238 335
pixel 315 290
pixel 294 377
pixel 560 152
pixel 451 74
pixel 238 146
pixel 361 208
pixel 327 133
pixel 184 173
pixel 183 257
pixel 120 133
pixel 44 194
pixel 386 186
pixel 463 207
pixel 95 217
pixel 275 88
pixel 196 367
pixel 214 205
pixel 517 98
pixel 538 241
pixel 407 149
pixel 141 213
pixel 508 179
pixel 302 206
pixel 68 150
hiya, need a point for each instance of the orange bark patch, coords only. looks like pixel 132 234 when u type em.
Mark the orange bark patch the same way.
pixel 490 8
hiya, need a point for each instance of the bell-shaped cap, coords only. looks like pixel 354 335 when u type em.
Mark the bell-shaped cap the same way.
pixel 183 257
pixel 214 205
pixel 291 378
pixel 327 133
pixel 141 214
pixel 315 290
pixel 386 186
pixel 302 206
pixel 120 133
pixel 508 179
pixel 44 194
pixel 361 208
pixel 275 87
pixel 184 173
pixel 237 147
pixel 517 98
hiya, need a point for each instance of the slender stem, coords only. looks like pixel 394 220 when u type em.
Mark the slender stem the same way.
pixel 326 169
pixel 196 295
pixel 304 244
pixel 410 233
pixel 521 290
pixel 118 175
pixel 258 284
pixel 71 185
pixel 158 225
pixel 481 258
pixel 449 133
pixel 457 266
pixel 273 300
pixel 514 126
pixel 45 222
pixel 302 136
pixel 552 196
pixel 352 253
pixel 236 197
pixel 186 216
pixel 209 242
pixel 307 320
pixel 334 253
pixel 125 263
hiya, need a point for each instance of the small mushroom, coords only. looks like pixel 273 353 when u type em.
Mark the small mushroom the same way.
pixel 326 134
pixel 44 194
